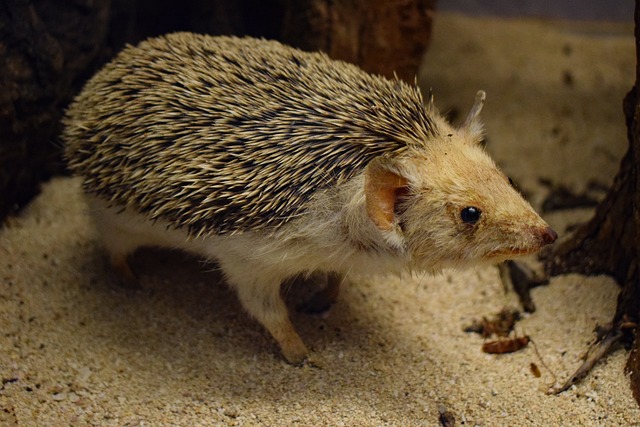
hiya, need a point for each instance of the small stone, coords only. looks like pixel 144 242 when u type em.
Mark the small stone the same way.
pixel 58 397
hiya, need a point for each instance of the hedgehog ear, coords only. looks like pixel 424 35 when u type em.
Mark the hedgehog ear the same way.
pixel 383 184
pixel 431 106
pixel 472 124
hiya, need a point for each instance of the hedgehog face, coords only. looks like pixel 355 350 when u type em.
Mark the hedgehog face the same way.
pixel 450 206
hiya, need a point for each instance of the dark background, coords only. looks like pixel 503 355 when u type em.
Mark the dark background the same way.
pixel 599 10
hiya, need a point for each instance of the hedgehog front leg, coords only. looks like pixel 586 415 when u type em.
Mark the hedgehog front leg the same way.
pixel 264 302
pixel 261 297
pixel 322 301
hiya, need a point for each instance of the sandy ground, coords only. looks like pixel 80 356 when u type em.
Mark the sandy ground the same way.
pixel 75 349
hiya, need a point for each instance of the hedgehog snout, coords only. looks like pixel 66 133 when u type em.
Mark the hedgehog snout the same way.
pixel 544 235
pixel 548 236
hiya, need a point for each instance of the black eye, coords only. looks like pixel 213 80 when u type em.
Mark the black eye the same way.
pixel 470 215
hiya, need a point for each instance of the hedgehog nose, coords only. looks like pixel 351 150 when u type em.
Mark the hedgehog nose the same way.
pixel 548 235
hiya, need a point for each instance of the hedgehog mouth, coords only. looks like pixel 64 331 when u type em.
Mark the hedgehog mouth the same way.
pixel 512 252
pixel 541 238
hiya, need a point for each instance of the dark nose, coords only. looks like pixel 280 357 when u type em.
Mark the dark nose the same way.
pixel 548 235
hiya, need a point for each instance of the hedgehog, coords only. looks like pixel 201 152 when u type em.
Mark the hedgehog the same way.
pixel 277 163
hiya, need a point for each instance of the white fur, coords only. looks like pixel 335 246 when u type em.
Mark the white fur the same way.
pixel 334 236
pixel 315 242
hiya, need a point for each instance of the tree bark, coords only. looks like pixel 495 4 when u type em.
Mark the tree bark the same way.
pixel 610 242
pixel 44 46
pixel 384 37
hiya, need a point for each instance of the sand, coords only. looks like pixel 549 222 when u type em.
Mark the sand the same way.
pixel 76 349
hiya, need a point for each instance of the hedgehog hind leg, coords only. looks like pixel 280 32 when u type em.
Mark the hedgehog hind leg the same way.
pixel 260 296
pixel 119 237
pixel 120 247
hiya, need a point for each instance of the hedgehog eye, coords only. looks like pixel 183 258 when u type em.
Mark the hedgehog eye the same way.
pixel 470 215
